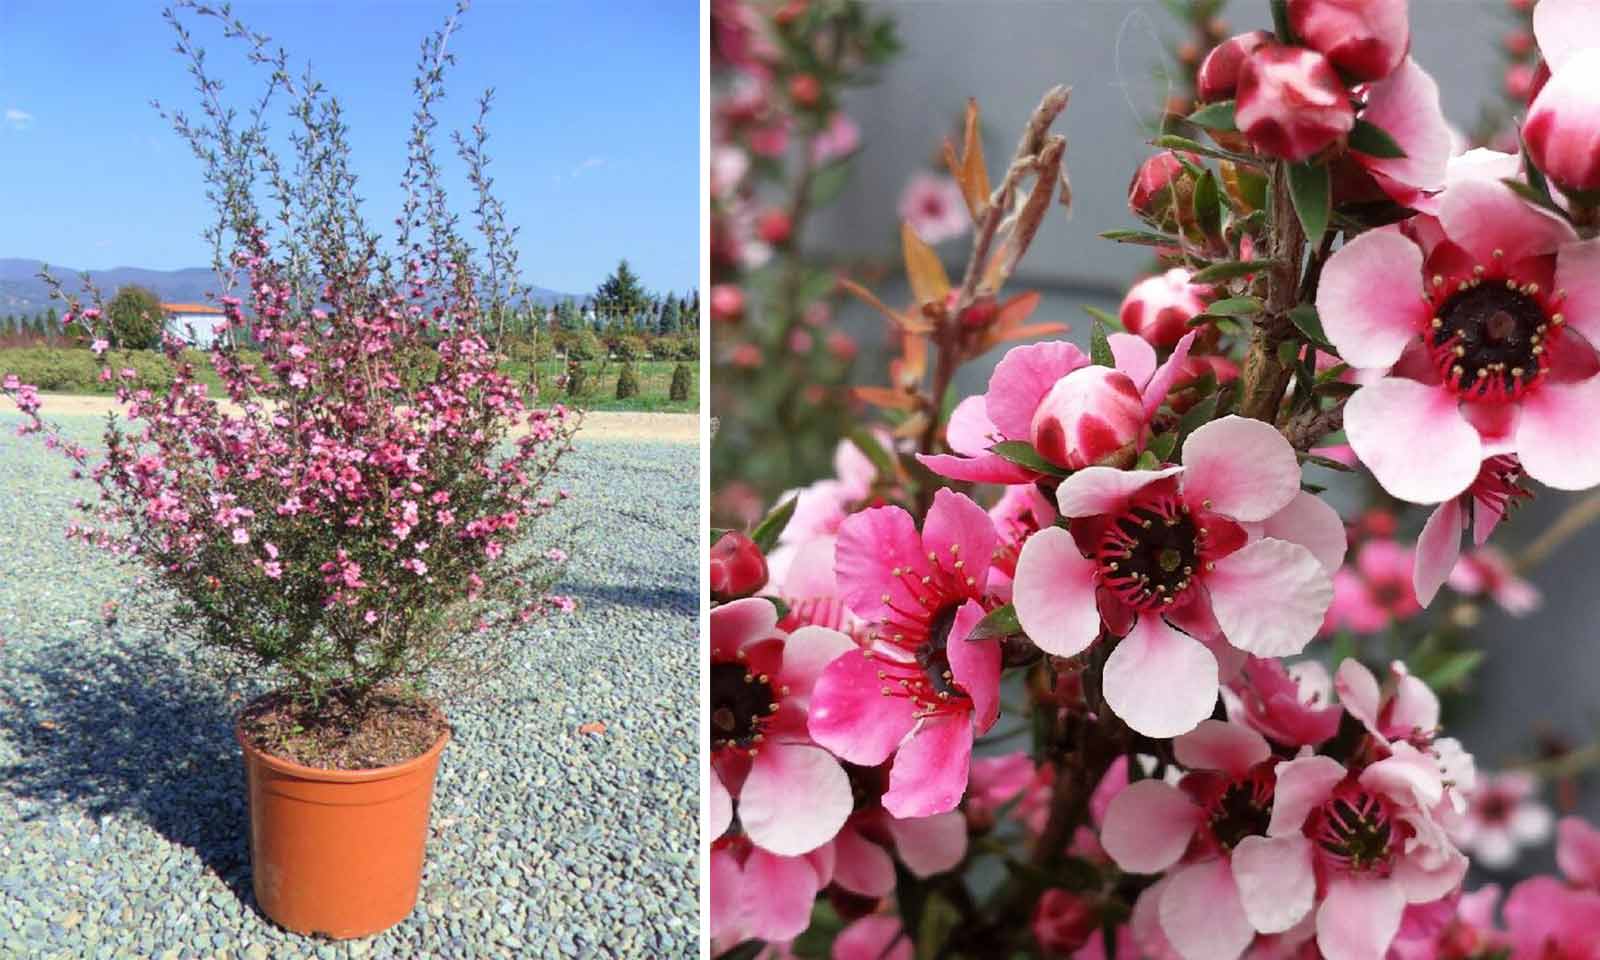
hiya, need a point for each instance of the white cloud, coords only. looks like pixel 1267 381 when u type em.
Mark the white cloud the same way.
pixel 18 118
pixel 589 164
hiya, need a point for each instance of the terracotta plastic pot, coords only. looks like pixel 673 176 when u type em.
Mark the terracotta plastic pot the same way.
pixel 338 852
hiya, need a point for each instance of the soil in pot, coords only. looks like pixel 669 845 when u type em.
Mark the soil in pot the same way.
pixel 332 734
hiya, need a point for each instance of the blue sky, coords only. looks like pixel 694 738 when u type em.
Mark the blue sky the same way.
pixel 594 134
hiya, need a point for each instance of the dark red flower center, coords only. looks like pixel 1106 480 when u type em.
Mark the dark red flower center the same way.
pixel 1149 554
pixel 1356 831
pixel 1242 809
pixel 741 704
pixel 1491 340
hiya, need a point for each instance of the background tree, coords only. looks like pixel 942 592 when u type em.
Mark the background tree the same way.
pixel 567 315
pixel 621 295
pixel 135 318
pixel 669 323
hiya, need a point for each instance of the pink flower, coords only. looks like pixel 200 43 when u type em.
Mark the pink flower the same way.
pixel 1502 815
pixel 820 508
pixel 273 569
pixel 1025 381
pixel 1376 593
pixel 1563 125
pixel 791 796
pixel 1488 572
pixel 99 346
pixel 933 206
pixel 1063 921
pixel 1224 548
pixel 1291 705
pixel 1218 75
pixel 1093 415
pixel 1494 358
pixel 1150 192
pixel 1497 489
pixel 802 575
pixel 1405 105
pixel 241 535
pixel 1546 920
pixel 755 894
pixel 867 846
pixel 919 689
pixel 1578 852
pixel 838 139
pixel 1159 308
pixel 1291 103
pixel 1363 39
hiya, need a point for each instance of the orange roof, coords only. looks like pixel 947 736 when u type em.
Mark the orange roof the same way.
pixel 190 308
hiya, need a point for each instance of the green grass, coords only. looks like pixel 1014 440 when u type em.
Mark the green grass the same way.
pixel 74 371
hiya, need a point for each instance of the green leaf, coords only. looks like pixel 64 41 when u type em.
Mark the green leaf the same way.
pixel 1374 141
pixel 1143 238
pixel 1324 462
pixel 1311 188
pixel 1454 670
pixel 1021 453
pixel 1235 307
pixel 1111 320
pixel 1306 320
pixel 1288 351
pixel 1172 141
pixel 781 607
pixel 997 624
pixel 940 918
pixel 828 182
pixel 1147 461
pixel 1100 345
pixel 1196 417
pixel 1532 195
pixel 1208 205
pixel 816 943
pixel 1232 269
pixel 1215 116
pixel 1162 445
pixel 873 450
pixel 767 532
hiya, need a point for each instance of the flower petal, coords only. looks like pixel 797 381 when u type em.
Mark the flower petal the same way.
pixel 1148 826
pixel 1578 273
pixel 975 665
pixel 853 717
pixel 1359 918
pixel 1578 851
pixel 1438 548
pixel 1134 356
pixel 930 772
pixel 930 845
pixel 1201 913
pixel 1309 521
pixel 806 653
pixel 721 807
pixel 1369 298
pixel 1216 745
pixel 775 895
pixel 1414 439
pixel 1269 597
pixel 877 936
pixel 1558 438
pixel 862 866
pixel 1096 490
pixel 1022 378
pixel 1159 681
pixel 960 534
pixel 742 622
pixel 1405 105
pixel 1277 884
pixel 795 798
pixel 1054 593
pixel 1303 784
pixel 1483 216
pixel 872 546
pixel 1564 28
pixel 1155 392
pixel 1244 467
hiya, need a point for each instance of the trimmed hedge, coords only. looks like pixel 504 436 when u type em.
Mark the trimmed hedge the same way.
pixel 627 383
pixel 681 377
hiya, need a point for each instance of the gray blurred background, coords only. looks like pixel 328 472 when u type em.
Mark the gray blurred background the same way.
pixel 1543 671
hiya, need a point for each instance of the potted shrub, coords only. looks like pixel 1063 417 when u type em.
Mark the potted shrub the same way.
pixel 346 529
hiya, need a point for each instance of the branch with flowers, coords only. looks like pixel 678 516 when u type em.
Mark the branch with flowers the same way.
pixel 1077 666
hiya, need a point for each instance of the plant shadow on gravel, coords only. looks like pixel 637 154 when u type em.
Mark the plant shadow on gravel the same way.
pixel 132 731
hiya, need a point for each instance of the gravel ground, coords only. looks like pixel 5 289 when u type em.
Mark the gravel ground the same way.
pixel 123 824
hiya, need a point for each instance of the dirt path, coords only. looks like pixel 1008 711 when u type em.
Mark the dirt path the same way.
pixel 597 425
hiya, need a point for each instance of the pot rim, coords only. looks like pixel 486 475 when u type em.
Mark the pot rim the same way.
pixel 366 775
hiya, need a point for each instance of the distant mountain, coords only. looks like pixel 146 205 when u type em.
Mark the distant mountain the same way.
pixel 22 292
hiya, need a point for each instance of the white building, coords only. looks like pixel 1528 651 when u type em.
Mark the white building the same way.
pixel 194 323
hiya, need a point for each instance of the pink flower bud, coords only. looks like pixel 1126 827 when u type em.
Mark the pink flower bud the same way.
pixel 1150 193
pixel 1092 416
pixel 1218 76
pixel 1063 921
pixel 1563 126
pixel 1159 308
pixel 1291 103
pixel 1365 39
pixel 737 567
pixel 727 302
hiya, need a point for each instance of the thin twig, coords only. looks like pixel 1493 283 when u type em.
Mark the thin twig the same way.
pixel 1578 515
